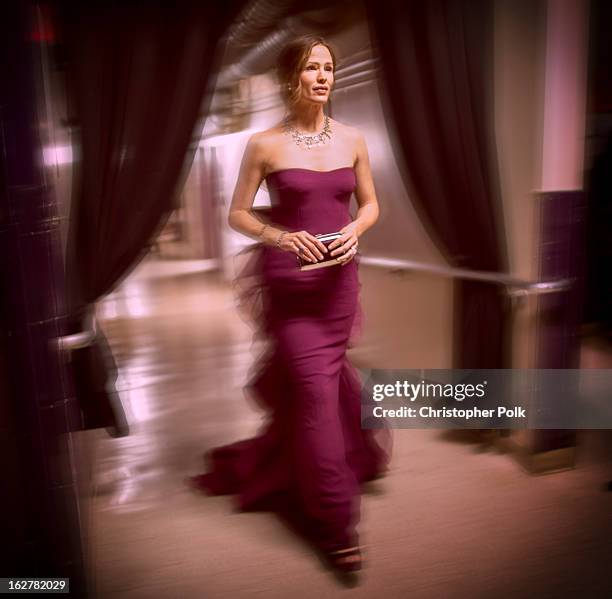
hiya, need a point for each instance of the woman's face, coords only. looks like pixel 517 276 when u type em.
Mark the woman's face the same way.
pixel 317 77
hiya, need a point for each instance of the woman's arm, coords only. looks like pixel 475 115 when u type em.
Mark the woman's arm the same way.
pixel 367 213
pixel 250 176
pixel 241 218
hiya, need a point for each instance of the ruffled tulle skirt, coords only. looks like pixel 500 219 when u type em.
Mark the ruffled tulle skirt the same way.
pixel 311 454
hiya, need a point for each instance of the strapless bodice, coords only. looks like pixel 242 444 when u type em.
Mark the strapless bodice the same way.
pixel 316 201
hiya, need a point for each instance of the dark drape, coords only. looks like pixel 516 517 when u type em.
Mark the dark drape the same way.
pixel 39 500
pixel 210 206
pixel 140 76
pixel 436 69
pixel 598 300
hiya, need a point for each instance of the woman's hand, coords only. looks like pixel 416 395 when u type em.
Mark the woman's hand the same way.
pixel 345 247
pixel 303 244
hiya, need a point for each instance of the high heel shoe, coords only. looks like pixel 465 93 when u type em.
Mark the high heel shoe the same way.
pixel 345 564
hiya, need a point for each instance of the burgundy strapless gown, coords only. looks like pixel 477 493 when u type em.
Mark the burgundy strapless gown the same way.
pixel 312 453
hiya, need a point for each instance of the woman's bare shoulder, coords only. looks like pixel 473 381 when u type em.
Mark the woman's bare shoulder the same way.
pixel 263 142
pixel 348 132
pixel 265 145
pixel 343 127
pixel 267 136
pixel 350 137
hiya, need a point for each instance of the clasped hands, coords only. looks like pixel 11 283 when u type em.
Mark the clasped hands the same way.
pixel 308 247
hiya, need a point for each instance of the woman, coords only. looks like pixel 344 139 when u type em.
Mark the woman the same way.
pixel 313 454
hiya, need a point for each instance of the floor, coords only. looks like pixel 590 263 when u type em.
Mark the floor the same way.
pixel 449 519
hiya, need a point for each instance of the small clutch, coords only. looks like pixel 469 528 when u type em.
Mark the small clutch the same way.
pixel 326 239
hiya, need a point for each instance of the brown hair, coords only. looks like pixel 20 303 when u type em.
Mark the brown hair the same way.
pixel 292 59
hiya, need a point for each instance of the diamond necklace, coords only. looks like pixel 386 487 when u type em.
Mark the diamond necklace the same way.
pixel 309 141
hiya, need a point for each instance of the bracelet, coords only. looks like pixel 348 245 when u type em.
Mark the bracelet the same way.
pixel 280 238
pixel 263 230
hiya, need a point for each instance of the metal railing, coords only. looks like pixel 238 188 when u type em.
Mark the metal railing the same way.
pixel 515 286
pixel 81 339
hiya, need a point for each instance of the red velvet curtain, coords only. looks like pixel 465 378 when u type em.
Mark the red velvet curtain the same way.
pixel 140 77
pixel 436 66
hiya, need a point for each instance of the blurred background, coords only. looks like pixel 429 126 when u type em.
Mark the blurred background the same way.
pixel 123 355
